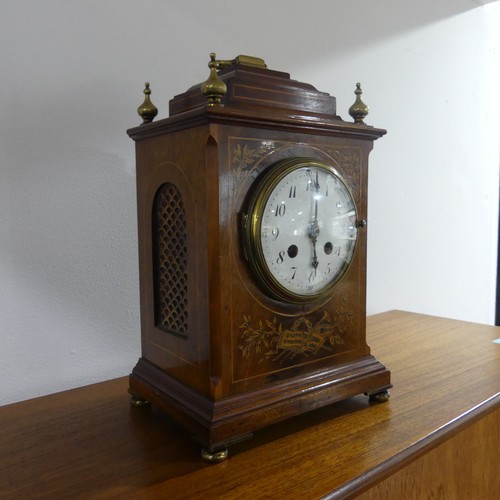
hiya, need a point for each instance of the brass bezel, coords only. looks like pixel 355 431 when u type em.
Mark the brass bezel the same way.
pixel 251 230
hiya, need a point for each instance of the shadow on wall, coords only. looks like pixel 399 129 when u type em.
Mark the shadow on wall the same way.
pixel 331 27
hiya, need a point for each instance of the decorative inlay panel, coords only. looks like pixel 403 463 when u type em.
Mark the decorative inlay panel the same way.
pixel 281 341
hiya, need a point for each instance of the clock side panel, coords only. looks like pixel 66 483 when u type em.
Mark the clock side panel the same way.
pixel 172 213
pixel 271 341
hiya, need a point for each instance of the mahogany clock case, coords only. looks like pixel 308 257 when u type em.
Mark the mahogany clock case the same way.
pixel 218 354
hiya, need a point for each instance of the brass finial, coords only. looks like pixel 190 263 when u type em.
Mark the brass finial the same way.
pixel 147 110
pixel 213 88
pixel 359 109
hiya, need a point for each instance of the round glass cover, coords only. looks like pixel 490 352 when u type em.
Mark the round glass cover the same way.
pixel 301 230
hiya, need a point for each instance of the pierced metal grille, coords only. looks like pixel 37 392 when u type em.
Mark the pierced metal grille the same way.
pixel 170 260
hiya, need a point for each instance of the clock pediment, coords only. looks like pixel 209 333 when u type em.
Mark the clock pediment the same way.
pixel 258 87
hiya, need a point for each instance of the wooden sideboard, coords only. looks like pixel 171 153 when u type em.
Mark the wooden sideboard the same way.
pixel 437 437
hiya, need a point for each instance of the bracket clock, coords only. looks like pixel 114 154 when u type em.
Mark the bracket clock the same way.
pixel 252 209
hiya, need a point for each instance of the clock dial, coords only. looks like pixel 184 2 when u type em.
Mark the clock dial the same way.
pixel 302 231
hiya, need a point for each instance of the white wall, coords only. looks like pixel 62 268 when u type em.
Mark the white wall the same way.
pixel 72 77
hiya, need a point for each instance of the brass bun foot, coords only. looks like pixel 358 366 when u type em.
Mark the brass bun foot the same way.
pixel 138 402
pixel 380 397
pixel 214 457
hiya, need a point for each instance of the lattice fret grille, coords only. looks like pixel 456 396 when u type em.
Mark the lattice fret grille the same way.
pixel 170 260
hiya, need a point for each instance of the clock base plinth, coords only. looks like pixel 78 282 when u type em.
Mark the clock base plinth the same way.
pixel 217 424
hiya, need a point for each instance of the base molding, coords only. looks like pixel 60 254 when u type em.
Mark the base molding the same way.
pixel 219 423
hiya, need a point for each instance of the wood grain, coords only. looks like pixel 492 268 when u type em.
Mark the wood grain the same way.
pixel 89 443
pixel 464 467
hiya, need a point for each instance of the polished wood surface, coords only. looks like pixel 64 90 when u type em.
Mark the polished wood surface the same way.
pixel 89 443
pixel 465 467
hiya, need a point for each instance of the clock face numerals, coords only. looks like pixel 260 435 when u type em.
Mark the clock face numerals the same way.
pixel 302 231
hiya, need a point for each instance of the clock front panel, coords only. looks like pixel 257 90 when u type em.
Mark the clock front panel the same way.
pixel 275 337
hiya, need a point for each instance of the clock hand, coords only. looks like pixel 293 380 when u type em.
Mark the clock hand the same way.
pixel 315 261
pixel 314 228
pixel 313 234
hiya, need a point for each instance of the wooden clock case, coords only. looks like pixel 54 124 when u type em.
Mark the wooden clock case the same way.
pixel 218 355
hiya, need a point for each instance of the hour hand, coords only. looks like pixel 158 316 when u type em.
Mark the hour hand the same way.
pixel 313 235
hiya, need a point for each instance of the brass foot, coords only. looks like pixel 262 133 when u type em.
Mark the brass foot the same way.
pixel 214 457
pixel 380 397
pixel 138 402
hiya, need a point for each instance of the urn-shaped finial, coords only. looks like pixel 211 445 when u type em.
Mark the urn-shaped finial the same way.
pixel 147 110
pixel 359 109
pixel 213 88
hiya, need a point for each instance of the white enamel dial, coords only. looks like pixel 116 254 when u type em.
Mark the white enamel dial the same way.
pixel 302 230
